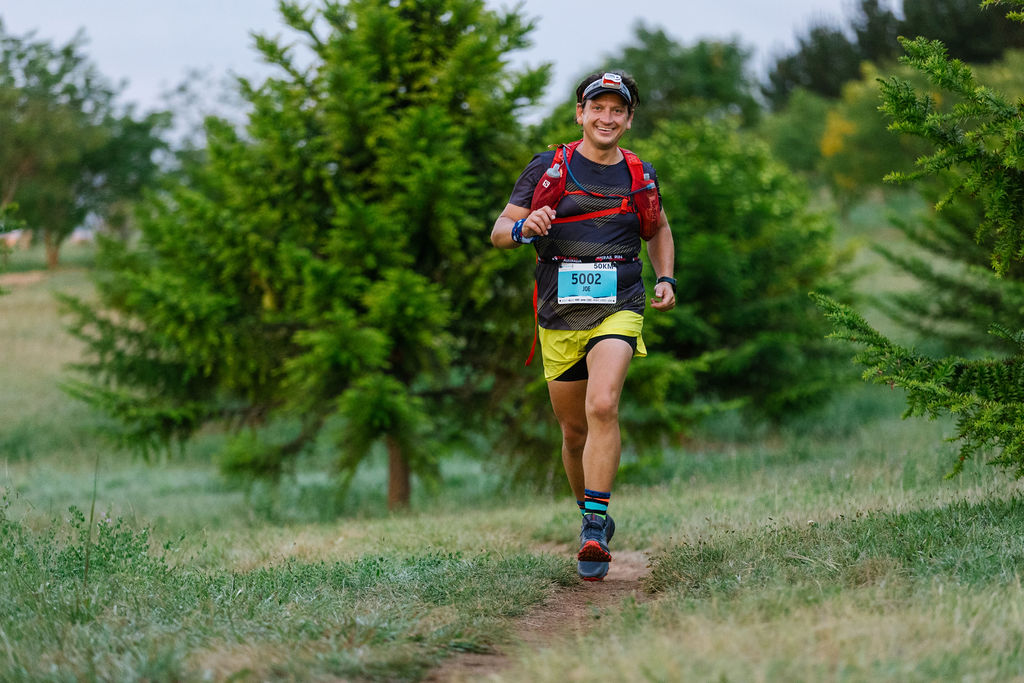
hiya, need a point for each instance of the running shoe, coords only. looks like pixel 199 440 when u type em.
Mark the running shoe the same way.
pixel 593 557
pixel 596 571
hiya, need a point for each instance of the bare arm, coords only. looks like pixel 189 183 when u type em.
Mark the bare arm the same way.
pixel 662 252
pixel 537 223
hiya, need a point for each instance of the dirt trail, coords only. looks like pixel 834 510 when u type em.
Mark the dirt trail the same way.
pixel 20 279
pixel 561 617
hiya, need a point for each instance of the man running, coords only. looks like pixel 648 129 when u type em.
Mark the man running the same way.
pixel 585 208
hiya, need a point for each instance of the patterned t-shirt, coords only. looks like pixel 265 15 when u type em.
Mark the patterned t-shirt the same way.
pixel 617 235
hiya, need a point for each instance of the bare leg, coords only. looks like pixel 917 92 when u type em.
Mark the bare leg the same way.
pixel 568 400
pixel 607 364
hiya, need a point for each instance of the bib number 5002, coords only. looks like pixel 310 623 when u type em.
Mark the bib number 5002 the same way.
pixel 585 279
pixel 587 283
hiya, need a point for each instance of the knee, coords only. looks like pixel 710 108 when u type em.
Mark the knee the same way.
pixel 603 408
pixel 574 435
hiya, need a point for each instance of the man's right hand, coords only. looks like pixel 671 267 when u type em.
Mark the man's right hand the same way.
pixel 538 223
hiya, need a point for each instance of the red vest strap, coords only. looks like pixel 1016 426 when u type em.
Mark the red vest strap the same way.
pixel 593 214
pixel 536 324
pixel 645 197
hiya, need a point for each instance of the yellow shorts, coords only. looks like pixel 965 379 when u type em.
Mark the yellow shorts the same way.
pixel 561 349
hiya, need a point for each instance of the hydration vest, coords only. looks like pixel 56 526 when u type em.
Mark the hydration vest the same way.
pixel 642 198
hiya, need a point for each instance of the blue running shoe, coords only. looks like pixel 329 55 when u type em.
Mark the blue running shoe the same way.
pixel 596 571
pixel 593 557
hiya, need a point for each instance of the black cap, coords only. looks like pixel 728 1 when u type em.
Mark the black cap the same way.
pixel 608 82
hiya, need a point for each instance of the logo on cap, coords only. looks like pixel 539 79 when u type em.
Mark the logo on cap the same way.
pixel 609 82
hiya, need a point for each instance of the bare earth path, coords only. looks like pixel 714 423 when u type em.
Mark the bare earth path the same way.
pixel 563 616
pixel 20 279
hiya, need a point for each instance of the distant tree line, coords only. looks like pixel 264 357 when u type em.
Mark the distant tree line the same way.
pixel 829 55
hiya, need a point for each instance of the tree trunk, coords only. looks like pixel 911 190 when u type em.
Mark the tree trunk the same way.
pixel 52 250
pixel 399 477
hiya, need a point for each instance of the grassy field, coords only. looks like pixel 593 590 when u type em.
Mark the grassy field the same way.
pixel 833 549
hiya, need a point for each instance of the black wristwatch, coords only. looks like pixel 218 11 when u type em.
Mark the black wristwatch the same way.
pixel 670 280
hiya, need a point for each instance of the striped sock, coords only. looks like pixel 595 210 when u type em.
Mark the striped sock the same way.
pixel 580 504
pixel 596 503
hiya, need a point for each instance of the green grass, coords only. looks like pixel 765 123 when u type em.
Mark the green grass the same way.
pixel 922 594
pixel 830 549
pixel 137 616
pixel 37 417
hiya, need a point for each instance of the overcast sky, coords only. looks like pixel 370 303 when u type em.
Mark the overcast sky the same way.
pixel 153 46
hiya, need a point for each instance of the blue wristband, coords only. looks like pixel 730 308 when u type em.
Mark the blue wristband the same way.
pixel 517 232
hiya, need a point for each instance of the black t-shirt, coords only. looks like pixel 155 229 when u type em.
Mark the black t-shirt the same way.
pixel 617 235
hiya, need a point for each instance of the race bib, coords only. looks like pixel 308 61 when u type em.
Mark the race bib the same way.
pixel 587 283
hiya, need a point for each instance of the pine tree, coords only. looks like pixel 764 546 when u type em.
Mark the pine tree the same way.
pixel 329 263
pixel 979 144
pixel 959 293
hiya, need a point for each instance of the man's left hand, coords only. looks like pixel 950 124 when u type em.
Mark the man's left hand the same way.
pixel 664 298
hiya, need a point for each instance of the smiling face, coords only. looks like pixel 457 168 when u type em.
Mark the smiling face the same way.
pixel 605 119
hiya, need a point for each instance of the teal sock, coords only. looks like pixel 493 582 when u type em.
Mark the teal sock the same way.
pixel 580 504
pixel 596 503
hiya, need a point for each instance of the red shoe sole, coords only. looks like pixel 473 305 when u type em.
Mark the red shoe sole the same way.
pixel 592 578
pixel 593 552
